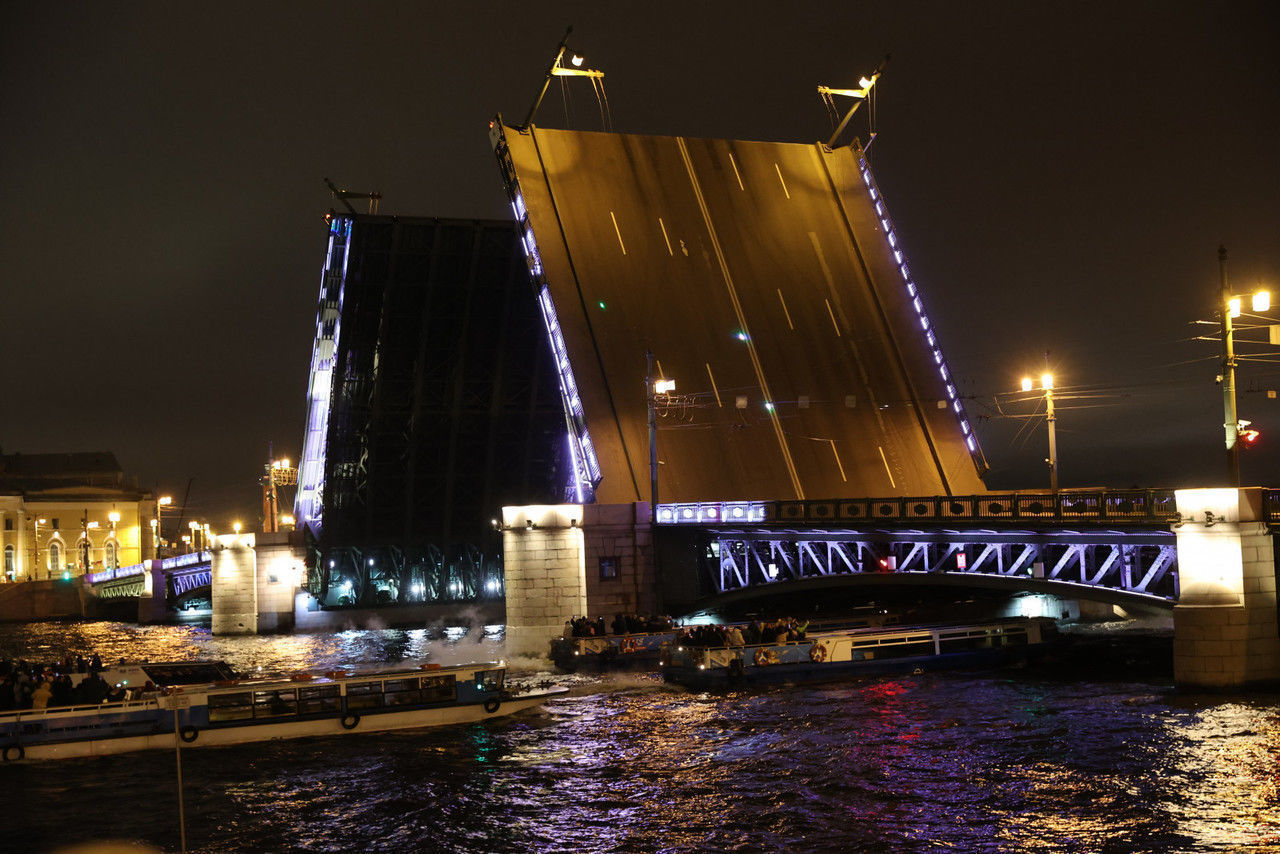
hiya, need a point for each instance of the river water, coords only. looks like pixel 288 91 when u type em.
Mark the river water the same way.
pixel 1001 761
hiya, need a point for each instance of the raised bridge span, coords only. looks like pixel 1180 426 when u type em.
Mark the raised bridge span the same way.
pixel 767 281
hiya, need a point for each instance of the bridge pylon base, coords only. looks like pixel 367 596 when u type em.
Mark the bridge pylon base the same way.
pixel 1226 635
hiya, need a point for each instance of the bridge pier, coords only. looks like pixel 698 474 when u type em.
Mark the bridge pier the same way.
pixel 153 604
pixel 570 560
pixel 254 581
pixel 1226 632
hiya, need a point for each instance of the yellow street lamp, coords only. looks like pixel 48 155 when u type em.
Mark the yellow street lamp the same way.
pixel 1046 383
pixel 35 544
pixel 158 526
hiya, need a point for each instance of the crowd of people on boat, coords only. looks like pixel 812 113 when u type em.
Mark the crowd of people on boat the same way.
pixel 787 630
pixel 623 624
pixel 71 681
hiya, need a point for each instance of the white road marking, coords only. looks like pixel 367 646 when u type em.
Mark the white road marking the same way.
pixel 784 310
pixel 618 231
pixel 833 317
pixel 885 460
pixel 782 180
pixel 838 463
pixel 714 387
pixel 734 164
pixel 664 236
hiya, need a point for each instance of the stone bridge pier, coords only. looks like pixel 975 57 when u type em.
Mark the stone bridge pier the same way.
pixel 568 560
pixel 1226 632
pixel 254 580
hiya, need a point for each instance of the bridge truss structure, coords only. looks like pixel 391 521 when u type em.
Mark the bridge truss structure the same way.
pixel 1112 544
pixel 1138 564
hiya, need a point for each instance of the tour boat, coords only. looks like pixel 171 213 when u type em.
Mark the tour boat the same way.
pixel 647 650
pixel 203 704
pixel 834 655
pixel 610 651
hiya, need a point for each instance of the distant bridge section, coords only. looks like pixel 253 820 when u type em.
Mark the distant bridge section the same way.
pixel 768 283
pixel 180 576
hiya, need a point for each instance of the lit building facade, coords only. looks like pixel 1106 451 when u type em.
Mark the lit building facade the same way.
pixel 62 515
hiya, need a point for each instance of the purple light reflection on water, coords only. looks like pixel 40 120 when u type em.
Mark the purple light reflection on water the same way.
pixel 1000 762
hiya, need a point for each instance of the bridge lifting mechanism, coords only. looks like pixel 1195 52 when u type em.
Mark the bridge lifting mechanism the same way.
pixel 275 474
pixel 858 95
pixel 374 197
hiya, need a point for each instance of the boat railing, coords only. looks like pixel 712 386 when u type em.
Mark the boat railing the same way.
pixel 137 705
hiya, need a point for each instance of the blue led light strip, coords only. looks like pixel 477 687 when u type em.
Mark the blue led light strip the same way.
pixel 970 439
pixel 308 505
pixel 582 453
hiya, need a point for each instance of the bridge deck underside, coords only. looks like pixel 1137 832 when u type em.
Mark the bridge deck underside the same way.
pixel 760 277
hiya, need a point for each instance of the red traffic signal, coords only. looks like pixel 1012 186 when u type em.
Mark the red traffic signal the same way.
pixel 1249 437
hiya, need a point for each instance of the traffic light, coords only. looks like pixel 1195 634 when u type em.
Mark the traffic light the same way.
pixel 1247 436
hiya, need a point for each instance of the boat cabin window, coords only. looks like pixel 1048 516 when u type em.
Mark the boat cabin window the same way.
pixel 364 695
pixel 318 699
pixel 406 691
pixel 489 680
pixel 230 707
pixel 275 703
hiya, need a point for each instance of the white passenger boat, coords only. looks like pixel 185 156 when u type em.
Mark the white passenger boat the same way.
pixel 202 704
pixel 829 656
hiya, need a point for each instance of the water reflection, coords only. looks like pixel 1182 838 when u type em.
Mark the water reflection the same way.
pixel 918 763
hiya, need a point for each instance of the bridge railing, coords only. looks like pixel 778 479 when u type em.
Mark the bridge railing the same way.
pixel 1093 506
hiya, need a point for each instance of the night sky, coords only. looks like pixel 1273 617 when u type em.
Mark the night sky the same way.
pixel 1061 176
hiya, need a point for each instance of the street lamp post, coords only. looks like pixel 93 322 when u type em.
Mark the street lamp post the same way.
pixel 1230 419
pixel 653 388
pixel 1230 306
pixel 1046 383
pixel 653 437
pixel 36 522
pixel 161 502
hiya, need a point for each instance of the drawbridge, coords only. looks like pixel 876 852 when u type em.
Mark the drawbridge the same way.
pixel 768 284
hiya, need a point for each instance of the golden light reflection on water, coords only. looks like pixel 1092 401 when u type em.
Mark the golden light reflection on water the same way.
pixel 916 763
pixel 1227 762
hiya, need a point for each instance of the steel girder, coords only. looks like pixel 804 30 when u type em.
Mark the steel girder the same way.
pixel 1140 564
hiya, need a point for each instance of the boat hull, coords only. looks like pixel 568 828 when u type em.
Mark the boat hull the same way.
pixel 277 731
pixel 848 655
pixel 229 711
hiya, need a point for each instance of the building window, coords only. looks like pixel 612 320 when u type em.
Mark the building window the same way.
pixel 8 523
pixel 55 524
pixel 109 554
pixel 10 566
pixel 608 568
pixel 55 554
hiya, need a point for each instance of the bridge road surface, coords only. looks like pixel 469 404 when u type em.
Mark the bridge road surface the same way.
pixel 761 279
